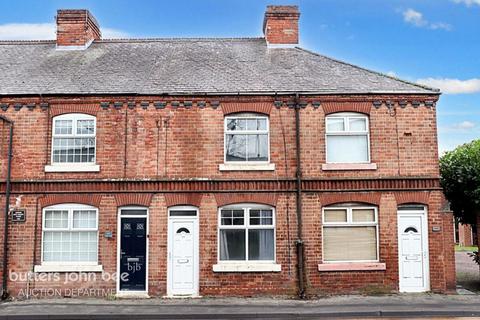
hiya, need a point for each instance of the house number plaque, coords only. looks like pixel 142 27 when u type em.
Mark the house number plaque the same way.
pixel 19 215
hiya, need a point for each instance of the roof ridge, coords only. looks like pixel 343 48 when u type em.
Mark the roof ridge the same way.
pixel 371 71
pixel 134 40
pixel 179 39
pixel 26 41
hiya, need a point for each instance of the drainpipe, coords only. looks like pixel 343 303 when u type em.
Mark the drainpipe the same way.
pixel 299 242
pixel 7 208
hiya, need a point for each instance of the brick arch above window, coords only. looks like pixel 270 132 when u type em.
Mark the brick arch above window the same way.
pixel 412 197
pixel 334 107
pixel 177 199
pixel 232 198
pixel 59 109
pixel 327 199
pixel 129 199
pixel 255 107
pixel 88 199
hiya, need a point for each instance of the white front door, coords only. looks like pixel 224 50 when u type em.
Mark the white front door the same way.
pixel 183 261
pixel 413 251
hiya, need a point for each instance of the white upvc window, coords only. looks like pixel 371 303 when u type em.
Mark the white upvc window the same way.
pixel 347 138
pixel 350 234
pixel 247 139
pixel 70 235
pixel 74 139
pixel 246 233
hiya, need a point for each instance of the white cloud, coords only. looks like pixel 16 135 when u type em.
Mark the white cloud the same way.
pixel 459 130
pixel 464 125
pixel 27 31
pixel 453 86
pixel 468 3
pixel 416 18
pixel 44 31
pixel 440 25
pixel 392 74
pixel 109 33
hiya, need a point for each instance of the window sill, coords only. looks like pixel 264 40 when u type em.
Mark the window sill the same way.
pixel 352 266
pixel 349 166
pixel 68 268
pixel 247 167
pixel 247 267
pixel 72 167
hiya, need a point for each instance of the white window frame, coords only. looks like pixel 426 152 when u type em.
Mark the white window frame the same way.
pixel 246 226
pixel 70 207
pixel 74 117
pixel 346 116
pixel 246 132
pixel 350 223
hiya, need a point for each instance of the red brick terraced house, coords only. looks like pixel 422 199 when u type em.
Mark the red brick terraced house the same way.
pixel 214 167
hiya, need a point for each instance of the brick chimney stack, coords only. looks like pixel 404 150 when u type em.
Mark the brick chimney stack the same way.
pixel 280 26
pixel 76 29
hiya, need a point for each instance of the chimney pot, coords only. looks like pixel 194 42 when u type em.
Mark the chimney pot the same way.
pixel 76 29
pixel 280 26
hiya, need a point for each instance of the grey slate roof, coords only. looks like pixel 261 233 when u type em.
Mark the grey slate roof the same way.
pixel 183 66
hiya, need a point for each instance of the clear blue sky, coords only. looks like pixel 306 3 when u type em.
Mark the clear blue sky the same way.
pixel 434 40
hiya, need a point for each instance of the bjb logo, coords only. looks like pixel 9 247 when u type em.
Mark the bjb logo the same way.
pixel 134 267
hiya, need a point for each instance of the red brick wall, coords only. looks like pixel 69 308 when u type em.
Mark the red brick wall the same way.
pixel 465 237
pixel 247 284
pixel 190 144
pixel 76 28
pixel 173 144
pixel 281 24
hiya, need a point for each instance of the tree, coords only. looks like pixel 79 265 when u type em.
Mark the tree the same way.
pixel 460 180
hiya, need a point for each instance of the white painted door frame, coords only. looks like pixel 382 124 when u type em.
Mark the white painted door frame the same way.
pixel 423 214
pixel 196 241
pixel 121 293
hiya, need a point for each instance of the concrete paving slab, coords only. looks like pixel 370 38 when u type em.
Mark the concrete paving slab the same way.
pixel 416 305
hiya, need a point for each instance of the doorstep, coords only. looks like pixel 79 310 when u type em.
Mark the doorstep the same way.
pixel 132 295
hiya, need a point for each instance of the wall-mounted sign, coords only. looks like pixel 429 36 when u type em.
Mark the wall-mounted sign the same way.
pixel 19 215
pixel 436 228
pixel 108 234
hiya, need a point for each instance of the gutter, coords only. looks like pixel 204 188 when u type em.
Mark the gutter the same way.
pixel 205 94
pixel 299 242
pixel 7 209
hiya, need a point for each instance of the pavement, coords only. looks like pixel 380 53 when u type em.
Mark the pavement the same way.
pixel 465 305
pixel 352 307
pixel 468 274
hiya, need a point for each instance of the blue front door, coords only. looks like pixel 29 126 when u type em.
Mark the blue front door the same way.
pixel 133 249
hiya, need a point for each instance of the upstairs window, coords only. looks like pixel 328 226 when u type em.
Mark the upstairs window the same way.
pixel 347 138
pixel 74 139
pixel 247 233
pixel 247 138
